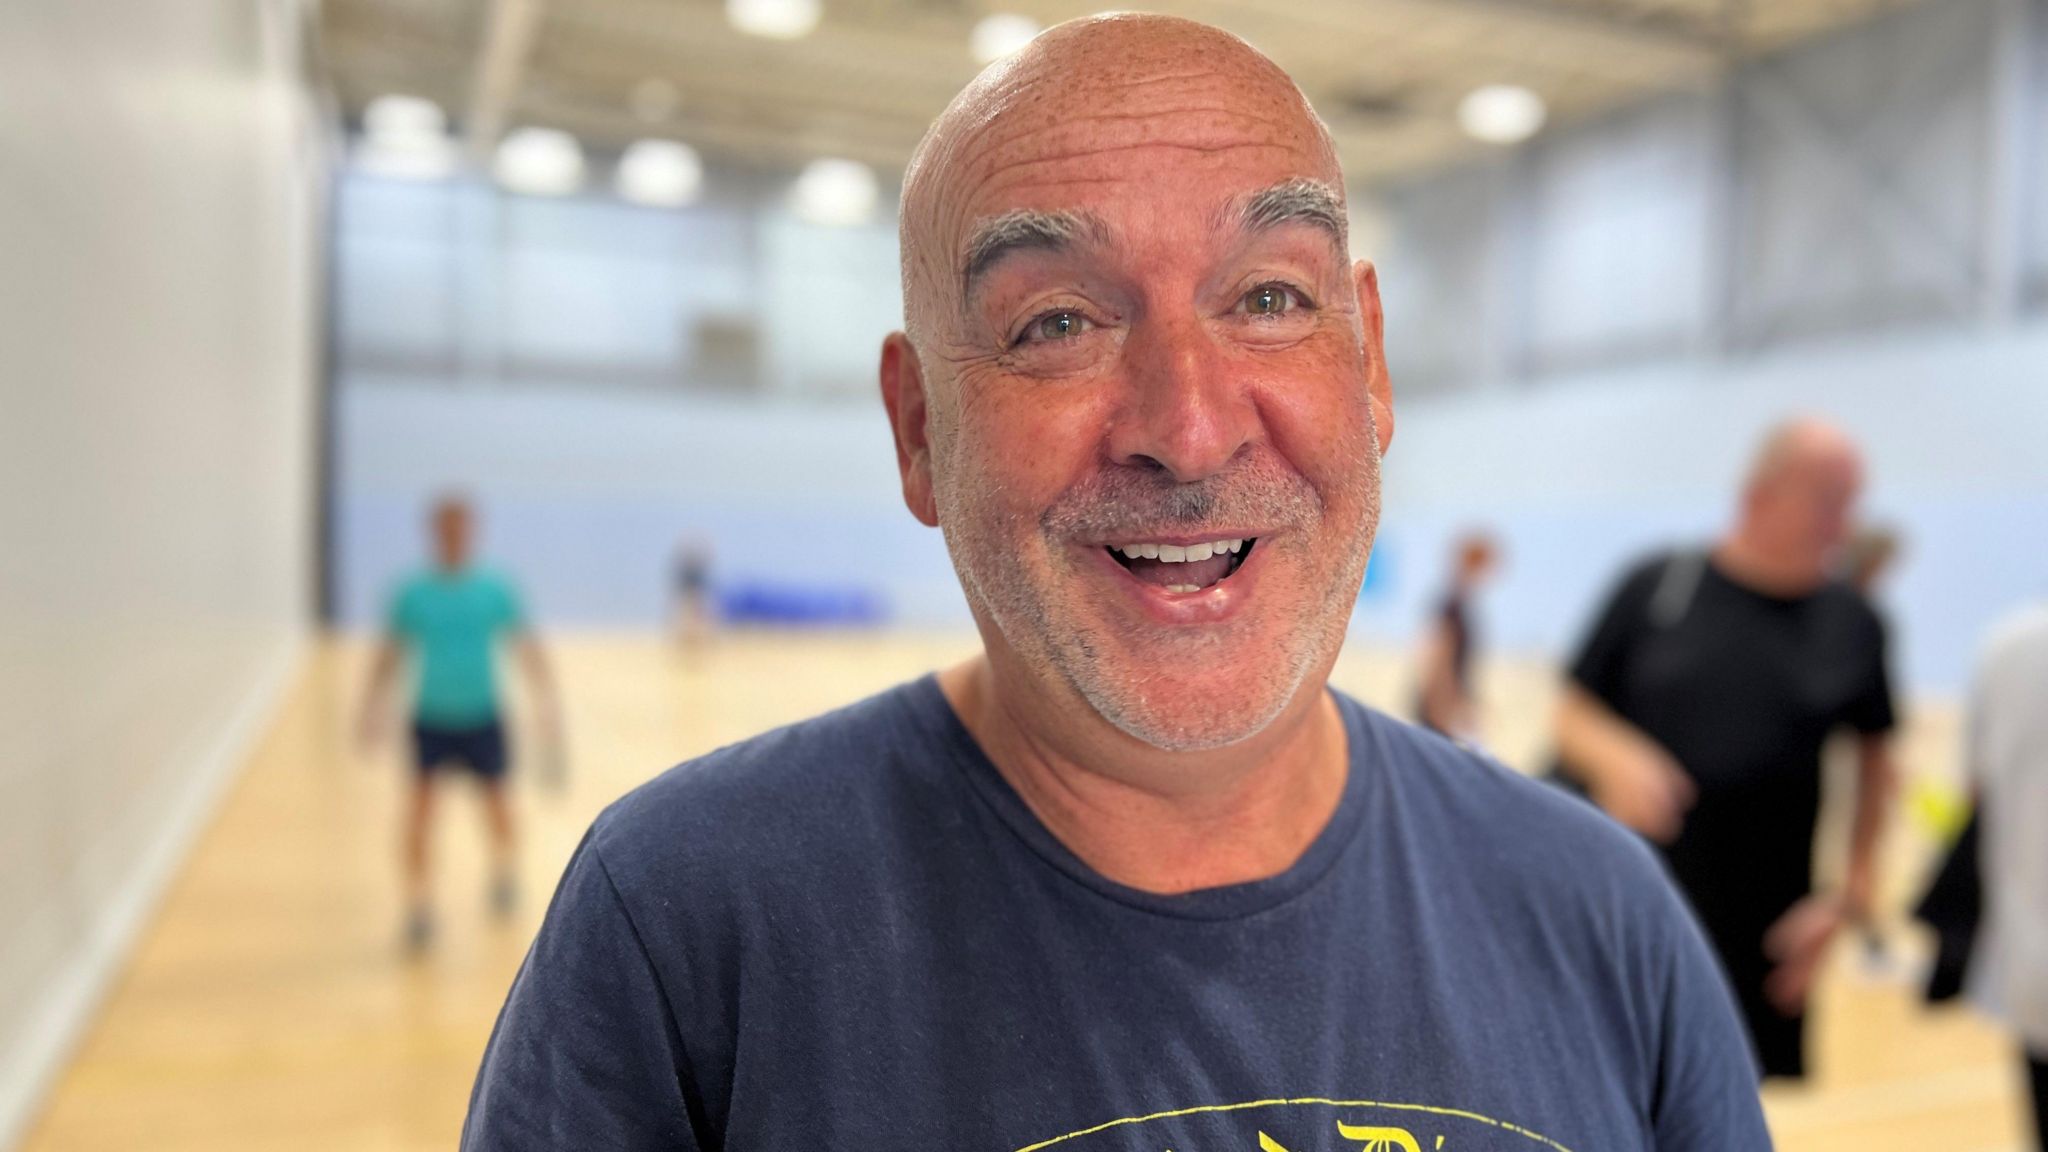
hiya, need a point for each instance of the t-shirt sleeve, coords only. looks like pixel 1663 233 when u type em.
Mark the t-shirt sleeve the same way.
pixel 586 1052
pixel 1871 712
pixel 511 609
pixel 1705 1098
pixel 1601 664
pixel 398 613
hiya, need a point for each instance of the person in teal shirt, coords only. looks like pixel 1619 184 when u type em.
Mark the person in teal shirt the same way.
pixel 448 621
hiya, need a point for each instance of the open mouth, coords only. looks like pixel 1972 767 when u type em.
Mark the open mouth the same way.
pixel 1184 567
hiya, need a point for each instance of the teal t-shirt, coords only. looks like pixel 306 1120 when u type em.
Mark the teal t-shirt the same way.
pixel 450 621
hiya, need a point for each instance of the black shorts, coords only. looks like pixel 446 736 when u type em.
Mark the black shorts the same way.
pixel 480 749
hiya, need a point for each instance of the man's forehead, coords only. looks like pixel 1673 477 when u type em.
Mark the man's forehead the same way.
pixel 1101 166
pixel 1142 123
pixel 1296 200
pixel 1022 152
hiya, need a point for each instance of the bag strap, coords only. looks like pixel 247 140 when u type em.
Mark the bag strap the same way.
pixel 1676 587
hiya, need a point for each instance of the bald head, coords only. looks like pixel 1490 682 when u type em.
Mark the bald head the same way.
pixel 1801 495
pixel 1013 162
pixel 1134 320
pixel 1802 447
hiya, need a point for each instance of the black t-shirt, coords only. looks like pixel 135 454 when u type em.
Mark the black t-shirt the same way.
pixel 1743 688
pixel 852 934
pixel 1456 617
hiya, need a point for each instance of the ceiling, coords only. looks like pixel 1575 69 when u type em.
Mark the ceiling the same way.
pixel 1386 74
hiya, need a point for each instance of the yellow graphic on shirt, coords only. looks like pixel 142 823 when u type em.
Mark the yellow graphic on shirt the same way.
pixel 1440 1129
pixel 1379 1139
pixel 1376 1139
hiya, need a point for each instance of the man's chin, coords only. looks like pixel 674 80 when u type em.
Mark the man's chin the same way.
pixel 1195 710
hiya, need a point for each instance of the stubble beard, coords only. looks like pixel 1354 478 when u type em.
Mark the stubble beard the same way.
pixel 1052 636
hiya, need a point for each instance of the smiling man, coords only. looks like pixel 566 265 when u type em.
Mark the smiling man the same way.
pixel 1136 878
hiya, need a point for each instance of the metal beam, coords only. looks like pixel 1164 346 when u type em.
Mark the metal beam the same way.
pixel 500 66
pixel 1583 41
pixel 2011 82
pixel 1701 40
pixel 1884 204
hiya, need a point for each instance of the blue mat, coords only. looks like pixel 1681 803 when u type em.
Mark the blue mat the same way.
pixel 760 602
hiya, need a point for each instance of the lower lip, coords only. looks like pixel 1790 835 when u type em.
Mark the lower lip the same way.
pixel 1212 605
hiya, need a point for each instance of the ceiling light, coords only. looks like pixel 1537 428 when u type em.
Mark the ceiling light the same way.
pixel 654 100
pixel 540 162
pixel 660 174
pixel 1001 34
pixel 1501 113
pixel 404 116
pixel 405 138
pixel 835 193
pixel 775 19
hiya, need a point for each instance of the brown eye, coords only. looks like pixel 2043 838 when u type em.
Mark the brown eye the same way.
pixel 1268 300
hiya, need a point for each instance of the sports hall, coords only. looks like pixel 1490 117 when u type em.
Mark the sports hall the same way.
pixel 282 274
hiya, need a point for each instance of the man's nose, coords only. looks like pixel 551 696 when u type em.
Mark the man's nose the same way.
pixel 1185 410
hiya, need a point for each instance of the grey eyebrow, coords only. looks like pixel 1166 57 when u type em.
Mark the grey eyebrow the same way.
pixel 1297 201
pixel 995 239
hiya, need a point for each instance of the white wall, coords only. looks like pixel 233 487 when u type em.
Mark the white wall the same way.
pixel 1885 178
pixel 457 282
pixel 158 178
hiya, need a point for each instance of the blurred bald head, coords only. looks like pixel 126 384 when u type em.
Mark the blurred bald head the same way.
pixel 1804 445
pixel 1801 495
pixel 1023 143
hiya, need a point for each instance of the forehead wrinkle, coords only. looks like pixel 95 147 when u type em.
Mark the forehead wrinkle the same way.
pixel 1032 171
pixel 1225 126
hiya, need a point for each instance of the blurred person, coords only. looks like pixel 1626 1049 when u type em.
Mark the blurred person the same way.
pixel 1446 702
pixel 692 584
pixel 1136 861
pixel 1869 556
pixel 448 621
pixel 1696 711
pixel 1867 559
pixel 2006 756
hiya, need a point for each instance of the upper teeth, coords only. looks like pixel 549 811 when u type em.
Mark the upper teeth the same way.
pixel 1177 554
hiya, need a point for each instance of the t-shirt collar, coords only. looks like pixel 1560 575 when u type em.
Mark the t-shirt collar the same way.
pixel 1229 902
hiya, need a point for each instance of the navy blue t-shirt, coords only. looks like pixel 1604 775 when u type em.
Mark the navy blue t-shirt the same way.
pixel 852 934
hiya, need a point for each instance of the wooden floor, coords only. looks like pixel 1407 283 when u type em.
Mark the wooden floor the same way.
pixel 269 1006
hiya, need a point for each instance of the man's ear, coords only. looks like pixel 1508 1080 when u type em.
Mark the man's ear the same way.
pixel 903 395
pixel 1381 386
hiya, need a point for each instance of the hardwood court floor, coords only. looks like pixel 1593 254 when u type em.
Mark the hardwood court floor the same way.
pixel 269 1007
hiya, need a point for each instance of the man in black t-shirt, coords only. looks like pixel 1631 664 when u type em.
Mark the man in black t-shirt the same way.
pixel 1696 711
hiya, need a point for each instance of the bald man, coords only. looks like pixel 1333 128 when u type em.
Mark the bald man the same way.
pixel 1696 713
pixel 1134 878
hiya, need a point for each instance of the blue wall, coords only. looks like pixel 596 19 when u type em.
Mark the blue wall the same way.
pixel 588 492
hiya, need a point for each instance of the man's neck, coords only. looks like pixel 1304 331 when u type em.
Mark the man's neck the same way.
pixel 1164 822
pixel 1750 562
